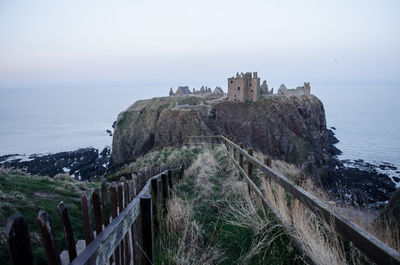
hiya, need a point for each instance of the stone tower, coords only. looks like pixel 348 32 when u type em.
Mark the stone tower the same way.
pixel 244 87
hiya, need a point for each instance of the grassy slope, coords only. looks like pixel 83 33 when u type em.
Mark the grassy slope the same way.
pixel 26 195
pixel 227 235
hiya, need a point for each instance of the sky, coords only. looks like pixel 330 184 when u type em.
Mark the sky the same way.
pixel 120 42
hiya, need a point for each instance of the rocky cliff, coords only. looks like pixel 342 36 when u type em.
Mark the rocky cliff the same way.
pixel 288 128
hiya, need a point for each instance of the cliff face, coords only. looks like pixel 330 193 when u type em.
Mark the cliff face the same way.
pixel 291 129
pixel 136 128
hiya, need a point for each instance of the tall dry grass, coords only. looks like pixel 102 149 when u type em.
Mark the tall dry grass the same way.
pixel 320 239
pixel 190 247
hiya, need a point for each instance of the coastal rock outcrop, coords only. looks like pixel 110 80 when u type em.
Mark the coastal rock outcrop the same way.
pixel 287 128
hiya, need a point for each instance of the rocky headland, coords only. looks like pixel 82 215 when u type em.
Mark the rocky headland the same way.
pixel 292 129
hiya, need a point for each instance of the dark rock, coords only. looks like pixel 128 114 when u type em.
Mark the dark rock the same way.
pixel 396 179
pixel 333 128
pixel 331 137
pixel 358 183
pixel 83 163
pixel 109 132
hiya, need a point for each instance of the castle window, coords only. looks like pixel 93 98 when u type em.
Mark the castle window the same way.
pixel 252 91
pixel 235 99
pixel 238 87
pixel 250 84
pixel 231 82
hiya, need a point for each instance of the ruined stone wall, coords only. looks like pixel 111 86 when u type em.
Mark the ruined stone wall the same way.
pixel 298 91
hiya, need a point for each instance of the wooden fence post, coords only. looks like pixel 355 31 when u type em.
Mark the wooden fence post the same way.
pixel 48 238
pixel 127 199
pixel 147 230
pixel 170 182
pixel 97 211
pixel 241 161
pixel 104 202
pixel 68 233
pixel 249 167
pixel 121 208
pixel 114 213
pixel 155 193
pixel 19 241
pixel 267 162
pixel 165 191
pixel 87 221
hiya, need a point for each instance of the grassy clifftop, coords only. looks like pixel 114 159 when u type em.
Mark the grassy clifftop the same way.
pixel 27 194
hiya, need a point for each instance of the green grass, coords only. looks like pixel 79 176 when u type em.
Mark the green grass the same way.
pixel 27 194
pixel 210 202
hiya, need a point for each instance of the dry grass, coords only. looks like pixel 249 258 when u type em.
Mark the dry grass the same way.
pixel 189 247
pixel 320 240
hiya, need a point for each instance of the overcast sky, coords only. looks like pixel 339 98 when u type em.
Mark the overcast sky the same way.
pixel 49 43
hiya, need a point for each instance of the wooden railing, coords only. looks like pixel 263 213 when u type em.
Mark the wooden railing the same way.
pixel 372 247
pixel 127 237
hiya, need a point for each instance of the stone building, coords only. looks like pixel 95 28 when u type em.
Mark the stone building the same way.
pixel 218 90
pixel 246 87
pixel 298 91
pixel 182 91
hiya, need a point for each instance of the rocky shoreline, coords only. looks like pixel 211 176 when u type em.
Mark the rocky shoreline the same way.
pixel 358 182
pixel 82 164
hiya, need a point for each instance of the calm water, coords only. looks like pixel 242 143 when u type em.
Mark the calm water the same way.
pixel 40 120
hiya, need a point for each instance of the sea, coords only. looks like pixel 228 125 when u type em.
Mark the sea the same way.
pixel 37 120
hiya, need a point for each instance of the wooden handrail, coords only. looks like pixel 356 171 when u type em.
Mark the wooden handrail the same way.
pixel 372 247
pixel 102 247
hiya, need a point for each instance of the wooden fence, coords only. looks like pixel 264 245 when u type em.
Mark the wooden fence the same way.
pixel 372 247
pixel 125 237
pixel 130 235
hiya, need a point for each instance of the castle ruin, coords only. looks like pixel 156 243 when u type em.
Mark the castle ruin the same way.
pixel 246 87
pixel 241 88
pixel 203 91
pixel 298 91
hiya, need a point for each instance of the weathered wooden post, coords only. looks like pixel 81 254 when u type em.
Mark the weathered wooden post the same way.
pixel 19 241
pixel 267 162
pixel 48 238
pixel 241 160
pixel 165 190
pixel 249 167
pixel 121 204
pixel 127 242
pixel 170 182
pixel 147 230
pixel 87 220
pixel 68 233
pixel 104 202
pixel 97 211
pixel 114 214
pixel 155 184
